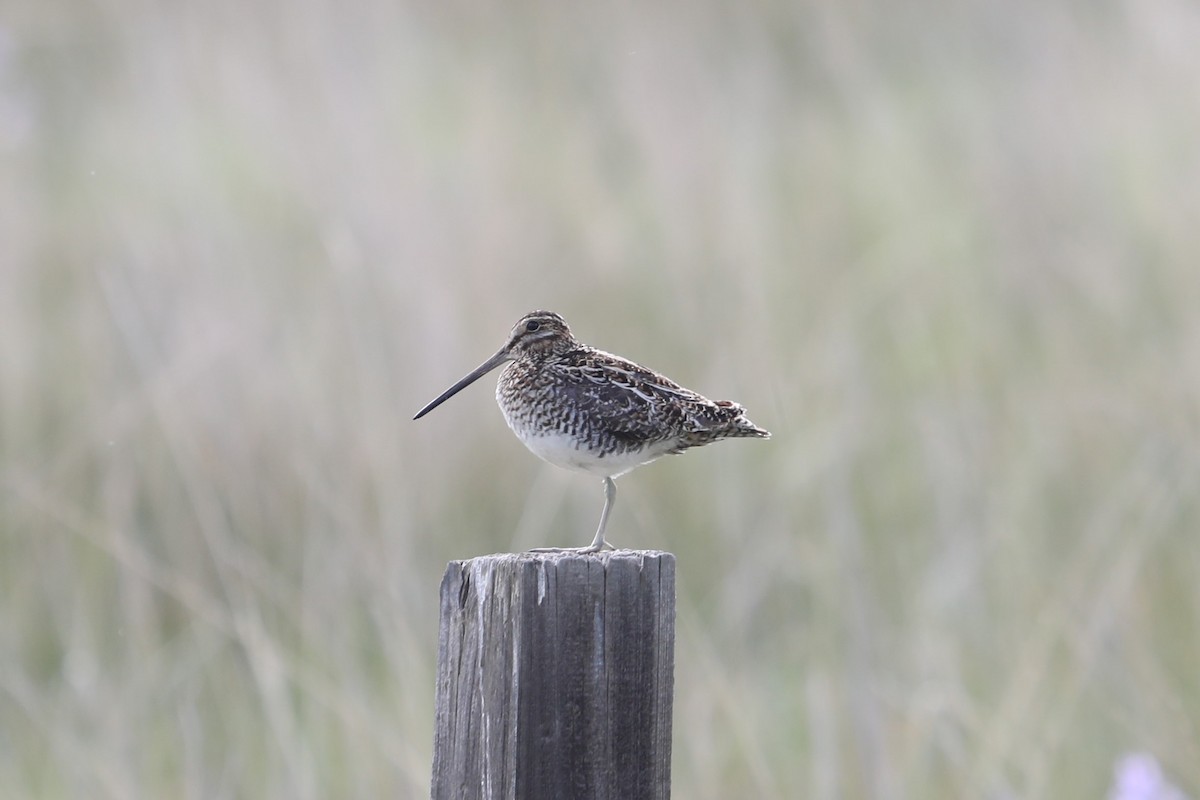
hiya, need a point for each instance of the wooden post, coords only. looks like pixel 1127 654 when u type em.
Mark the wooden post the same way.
pixel 555 677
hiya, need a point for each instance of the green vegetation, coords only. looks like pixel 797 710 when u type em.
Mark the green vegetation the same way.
pixel 947 255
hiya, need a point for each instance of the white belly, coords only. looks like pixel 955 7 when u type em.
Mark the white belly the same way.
pixel 569 452
pixel 564 451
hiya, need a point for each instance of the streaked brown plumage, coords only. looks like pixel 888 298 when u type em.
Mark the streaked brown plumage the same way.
pixel 584 409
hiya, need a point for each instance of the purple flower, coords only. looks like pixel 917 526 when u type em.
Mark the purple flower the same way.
pixel 1137 776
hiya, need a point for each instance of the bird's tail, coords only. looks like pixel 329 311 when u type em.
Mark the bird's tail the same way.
pixel 738 424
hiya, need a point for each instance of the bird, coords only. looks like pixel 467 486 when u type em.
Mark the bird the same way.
pixel 586 410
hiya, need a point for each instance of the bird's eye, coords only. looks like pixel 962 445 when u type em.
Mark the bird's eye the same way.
pixel 532 325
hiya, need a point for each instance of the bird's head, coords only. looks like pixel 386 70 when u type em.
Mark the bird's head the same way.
pixel 537 334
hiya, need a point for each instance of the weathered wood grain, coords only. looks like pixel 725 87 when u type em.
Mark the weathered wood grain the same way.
pixel 555 677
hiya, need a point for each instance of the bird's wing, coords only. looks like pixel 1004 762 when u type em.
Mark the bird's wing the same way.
pixel 636 404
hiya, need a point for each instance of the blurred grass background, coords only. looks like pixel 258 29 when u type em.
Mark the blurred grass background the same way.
pixel 947 254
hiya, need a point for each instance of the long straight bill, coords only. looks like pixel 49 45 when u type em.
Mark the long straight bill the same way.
pixel 474 375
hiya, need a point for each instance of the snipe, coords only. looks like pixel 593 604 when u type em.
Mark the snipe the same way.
pixel 583 409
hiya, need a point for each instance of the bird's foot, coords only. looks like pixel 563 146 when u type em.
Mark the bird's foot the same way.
pixel 591 548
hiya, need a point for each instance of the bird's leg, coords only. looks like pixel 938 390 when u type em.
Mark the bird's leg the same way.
pixel 610 496
pixel 598 543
